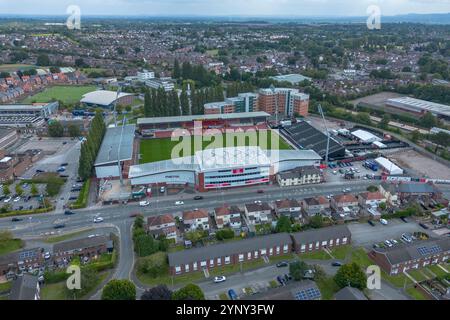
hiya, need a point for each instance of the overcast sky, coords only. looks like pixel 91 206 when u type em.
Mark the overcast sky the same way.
pixel 224 7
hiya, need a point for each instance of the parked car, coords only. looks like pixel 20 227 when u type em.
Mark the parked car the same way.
pixel 162 189
pixel 68 212
pixel 404 219
pixel 65 164
pixel 198 198
pixel 7 200
pixel 336 264
pixel 384 222
pixel 423 226
pixel 371 223
pixel 144 203
pixel 282 264
pixel 232 294
pixel 219 279
pixel 406 238
pixel 260 191
pixel 388 243
pixel 179 203
pixel 47 255
pixel 287 277
pixel 393 241
pixel 98 219
pixel 59 226
pixel 15 219
pixel 281 280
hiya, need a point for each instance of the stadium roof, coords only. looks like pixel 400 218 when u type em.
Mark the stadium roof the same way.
pixel 102 97
pixel 110 146
pixel 225 116
pixel 389 166
pixel 419 105
pixel 308 137
pixel 20 107
pixel 219 158
pixel 179 164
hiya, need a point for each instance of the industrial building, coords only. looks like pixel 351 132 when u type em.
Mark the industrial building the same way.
pixel 365 137
pixel 389 166
pixel 117 147
pixel 420 107
pixel 305 136
pixel 106 99
pixel 25 116
pixel 223 168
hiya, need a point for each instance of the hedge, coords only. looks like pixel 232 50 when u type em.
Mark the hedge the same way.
pixel 55 277
pixel 26 212
pixel 83 196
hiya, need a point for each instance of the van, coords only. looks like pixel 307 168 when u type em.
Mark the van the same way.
pixel 383 222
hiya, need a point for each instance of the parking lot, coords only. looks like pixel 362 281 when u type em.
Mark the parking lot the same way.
pixel 337 173
pixel 24 202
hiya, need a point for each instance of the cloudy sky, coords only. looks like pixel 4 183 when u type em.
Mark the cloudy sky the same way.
pixel 224 7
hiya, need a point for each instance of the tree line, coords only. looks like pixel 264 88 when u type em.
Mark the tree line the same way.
pixel 90 148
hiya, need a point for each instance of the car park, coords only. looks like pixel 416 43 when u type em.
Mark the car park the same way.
pixel 219 279
pixel 407 238
pixel 282 264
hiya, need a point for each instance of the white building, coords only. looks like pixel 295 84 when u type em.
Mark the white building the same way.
pixel 389 166
pixel 165 83
pixel 365 136
pixel 145 75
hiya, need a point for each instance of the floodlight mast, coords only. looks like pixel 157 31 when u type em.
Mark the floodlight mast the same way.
pixel 115 105
pixel 328 134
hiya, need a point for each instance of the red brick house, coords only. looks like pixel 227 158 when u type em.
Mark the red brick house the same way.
pixel 163 224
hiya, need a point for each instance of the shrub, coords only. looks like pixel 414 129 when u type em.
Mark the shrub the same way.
pixel 224 234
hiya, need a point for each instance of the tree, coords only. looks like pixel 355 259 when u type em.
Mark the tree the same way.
pixel 415 136
pixel 428 120
pixel 74 131
pixel 176 70
pixel 160 292
pixel 55 129
pixel 19 190
pixel 34 190
pixel 224 234
pixel 372 188
pixel 384 123
pixel 316 222
pixel 119 290
pixel 351 275
pixel 6 190
pixel 43 60
pixel 283 224
pixel 189 292
pixel 297 269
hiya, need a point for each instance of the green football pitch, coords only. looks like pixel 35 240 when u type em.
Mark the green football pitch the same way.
pixel 66 94
pixel 153 150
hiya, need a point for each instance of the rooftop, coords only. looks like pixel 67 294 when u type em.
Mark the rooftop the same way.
pixel 225 116
pixel 421 105
pixel 292 78
pixel 110 146
pixel 80 243
pixel 102 97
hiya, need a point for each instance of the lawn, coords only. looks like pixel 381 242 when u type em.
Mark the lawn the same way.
pixel 67 94
pixel 417 275
pixel 14 67
pixel 7 246
pixel 328 287
pixel 315 255
pixel 161 149
pixel 416 294
pixel 64 237
pixel 5 287
pixel 437 271
pixel 341 252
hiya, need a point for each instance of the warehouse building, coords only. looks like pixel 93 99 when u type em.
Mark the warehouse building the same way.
pixel 223 167
pixel 420 107
pixel 106 99
pixel 117 140
pixel 389 166
pixel 365 137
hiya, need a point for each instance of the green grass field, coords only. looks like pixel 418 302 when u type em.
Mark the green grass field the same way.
pixel 14 67
pixel 7 246
pixel 161 149
pixel 67 94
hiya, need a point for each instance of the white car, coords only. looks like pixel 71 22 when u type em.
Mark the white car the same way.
pixel 220 279
pixel 17 199
pixel 47 255
pixel 393 241
pixel 388 243
pixel 383 222
pixel 144 203
pixel 179 203
pixel 98 219
pixel 7 200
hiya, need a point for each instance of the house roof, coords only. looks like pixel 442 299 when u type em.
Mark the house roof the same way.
pixel 226 249
pixel 372 195
pixel 287 203
pixel 224 211
pixel 195 214
pixel 350 293
pixel 416 250
pixel 82 243
pixel 345 198
pixel 24 288
pixel 417 188
pixel 160 219
pixel 255 207
pixel 322 234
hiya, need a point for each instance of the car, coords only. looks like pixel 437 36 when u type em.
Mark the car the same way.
pixel 336 264
pixel 47 255
pixel 232 294
pixel 144 203
pixel 260 191
pixel 287 277
pixel 65 164
pixel 59 226
pixel 281 280
pixel 371 223
pixel 424 226
pixel 7 200
pixel 375 246
pixel 16 219
pixel 73 198
pixel 384 222
pixel 41 278
pixel 68 213
pixel 393 241
pixel 335 172
pixel 282 264
pixel 162 189
pixel 219 279
pixel 179 203
pixel 388 243
pixel 404 219
pixel 406 238
pixel 198 198
pixel 62 169
pixel 40 171
pixel 98 219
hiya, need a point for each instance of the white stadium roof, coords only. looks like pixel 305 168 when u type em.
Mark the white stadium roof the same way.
pixel 102 97
pixel 108 153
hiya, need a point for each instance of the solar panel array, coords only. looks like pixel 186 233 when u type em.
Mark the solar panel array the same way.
pixel 307 294
pixel 27 254
pixel 431 250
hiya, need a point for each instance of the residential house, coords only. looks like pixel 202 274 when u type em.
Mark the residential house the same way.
pixel 390 192
pixel 299 176
pixel 229 253
pixel 302 290
pixel 416 255
pixel 350 293
pixel 228 217
pixel 288 207
pixel 162 225
pixel 196 220
pixel 19 261
pixel 345 203
pixel 314 206
pixel 318 239
pixel 85 248
pixel 371 199
pixel 258 212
